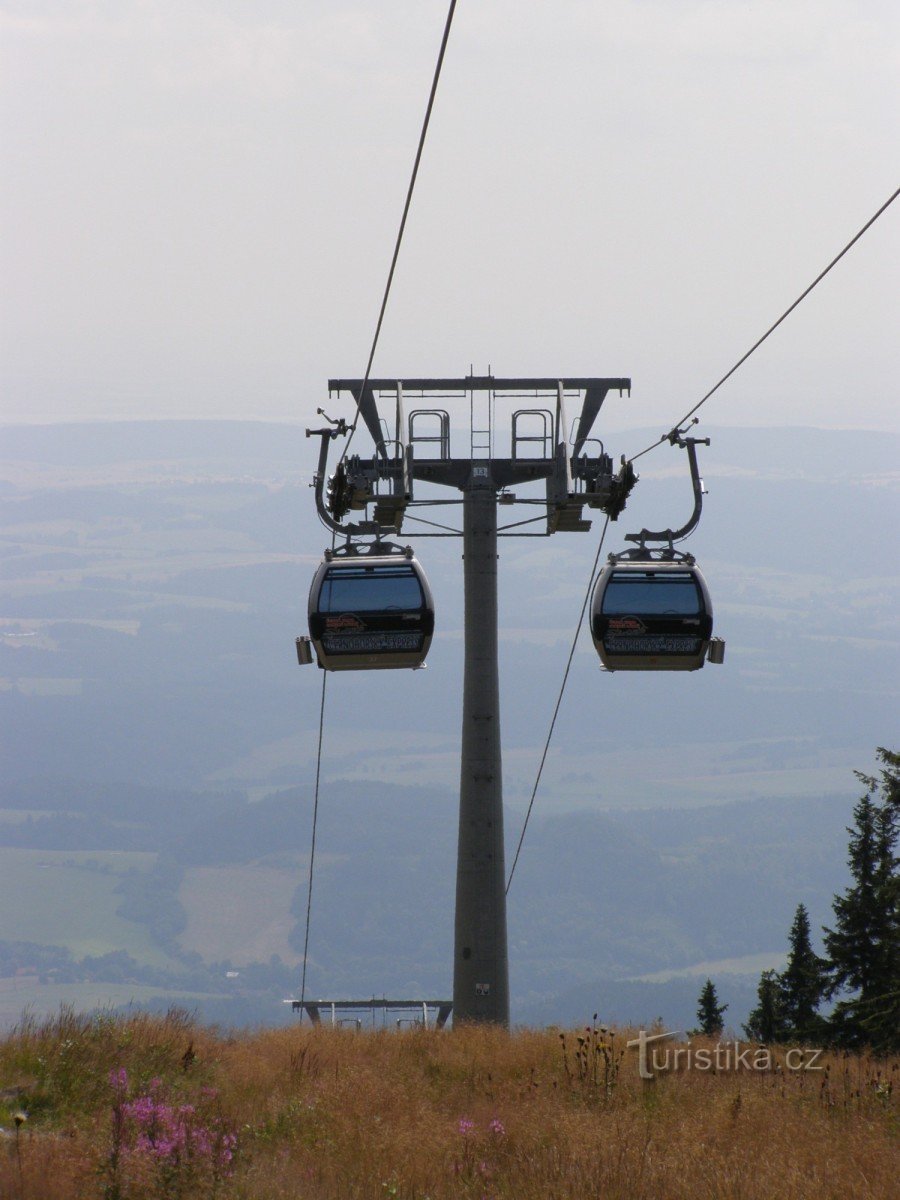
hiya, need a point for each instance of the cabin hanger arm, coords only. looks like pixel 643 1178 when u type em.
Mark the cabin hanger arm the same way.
pixel 677 438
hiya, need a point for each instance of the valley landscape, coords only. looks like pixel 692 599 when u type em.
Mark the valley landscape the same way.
pixel 160 738
pixel 237 893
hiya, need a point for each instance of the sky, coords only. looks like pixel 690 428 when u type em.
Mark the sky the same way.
pixel 200 198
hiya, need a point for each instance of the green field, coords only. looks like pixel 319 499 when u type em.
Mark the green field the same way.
pixel 240 913
pixel 68 898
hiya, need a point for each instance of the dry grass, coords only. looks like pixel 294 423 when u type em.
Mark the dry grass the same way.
pixel 324 1114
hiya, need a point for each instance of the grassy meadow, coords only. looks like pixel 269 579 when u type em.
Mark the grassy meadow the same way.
pixel 145 1107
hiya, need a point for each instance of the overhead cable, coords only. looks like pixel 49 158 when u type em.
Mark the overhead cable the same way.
pixel 562 689
pixel 409 195
pixel 312 852
pixel 787 312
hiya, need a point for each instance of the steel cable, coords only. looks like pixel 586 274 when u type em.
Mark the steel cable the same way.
pixel 312 852
pixel 409 195
pixel 787 312
pixel 562 689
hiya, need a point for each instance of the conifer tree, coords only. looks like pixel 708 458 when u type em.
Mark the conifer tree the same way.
pixel 710 1011
pixel 864 945
pixel 766 1022
pixel 802 983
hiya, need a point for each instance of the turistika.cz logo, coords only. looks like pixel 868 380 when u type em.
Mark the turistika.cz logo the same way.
pixel 654 1057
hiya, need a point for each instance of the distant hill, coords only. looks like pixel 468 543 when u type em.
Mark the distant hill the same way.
pixel 596 896
pixel 156 573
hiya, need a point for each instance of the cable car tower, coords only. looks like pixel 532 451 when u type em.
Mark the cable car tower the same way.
pixel 573 471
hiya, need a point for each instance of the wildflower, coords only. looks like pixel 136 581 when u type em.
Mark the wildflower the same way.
pixel 497 1128
pixel 466 1126
pixel 170 1134
pixel 118 1080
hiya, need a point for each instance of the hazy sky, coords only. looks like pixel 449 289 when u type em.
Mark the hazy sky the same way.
pixel 200 200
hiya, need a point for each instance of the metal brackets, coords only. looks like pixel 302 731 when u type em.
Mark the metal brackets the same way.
pixel 677 438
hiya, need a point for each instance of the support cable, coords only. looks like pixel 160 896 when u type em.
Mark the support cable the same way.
pixel 312 852
pixel 409 194
pixel 787 312
pixel 562 689
pixel 436 524
pixel 527 521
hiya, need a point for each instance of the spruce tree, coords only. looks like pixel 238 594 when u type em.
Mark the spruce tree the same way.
pixel 802 984
pixel 766 1022
pixel 710 1011
pixel 864 945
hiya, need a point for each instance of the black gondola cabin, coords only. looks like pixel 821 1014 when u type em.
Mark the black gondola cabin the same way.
pixel 370 612
pixel 651 615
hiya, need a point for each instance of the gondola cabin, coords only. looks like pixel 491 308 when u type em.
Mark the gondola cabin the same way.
pixel 651 615
pixel 370 613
